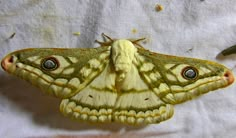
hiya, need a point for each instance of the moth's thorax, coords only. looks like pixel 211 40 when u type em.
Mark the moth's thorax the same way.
pixel 122 54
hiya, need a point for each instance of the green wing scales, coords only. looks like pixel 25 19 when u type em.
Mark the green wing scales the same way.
pixel 172 86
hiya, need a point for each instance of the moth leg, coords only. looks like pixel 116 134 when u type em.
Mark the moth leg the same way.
pixel 106 36
pixel 105 43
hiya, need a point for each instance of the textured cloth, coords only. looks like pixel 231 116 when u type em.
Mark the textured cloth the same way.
pixel 197 28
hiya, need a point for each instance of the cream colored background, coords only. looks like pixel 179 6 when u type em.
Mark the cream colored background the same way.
pixel 192 28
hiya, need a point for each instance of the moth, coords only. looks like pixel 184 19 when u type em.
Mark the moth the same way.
pixel 119 81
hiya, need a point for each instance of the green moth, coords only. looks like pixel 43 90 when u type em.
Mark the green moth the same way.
pixel 117 82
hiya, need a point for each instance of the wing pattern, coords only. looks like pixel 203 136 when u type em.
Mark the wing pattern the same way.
pixel 118 82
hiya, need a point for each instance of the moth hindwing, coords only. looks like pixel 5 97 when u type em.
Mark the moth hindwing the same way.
pixel 117 82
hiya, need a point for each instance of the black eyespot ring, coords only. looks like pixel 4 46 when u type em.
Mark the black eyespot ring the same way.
pixel 50 63
pixel 190 73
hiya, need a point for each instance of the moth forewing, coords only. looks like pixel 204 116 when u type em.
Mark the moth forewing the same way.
pixel 56 71
pixel 186 78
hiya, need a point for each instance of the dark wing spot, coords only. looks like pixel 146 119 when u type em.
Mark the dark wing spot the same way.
pixel 190 73
pixel 50 63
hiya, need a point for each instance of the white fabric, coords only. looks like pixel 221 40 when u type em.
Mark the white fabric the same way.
pixel 199 28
